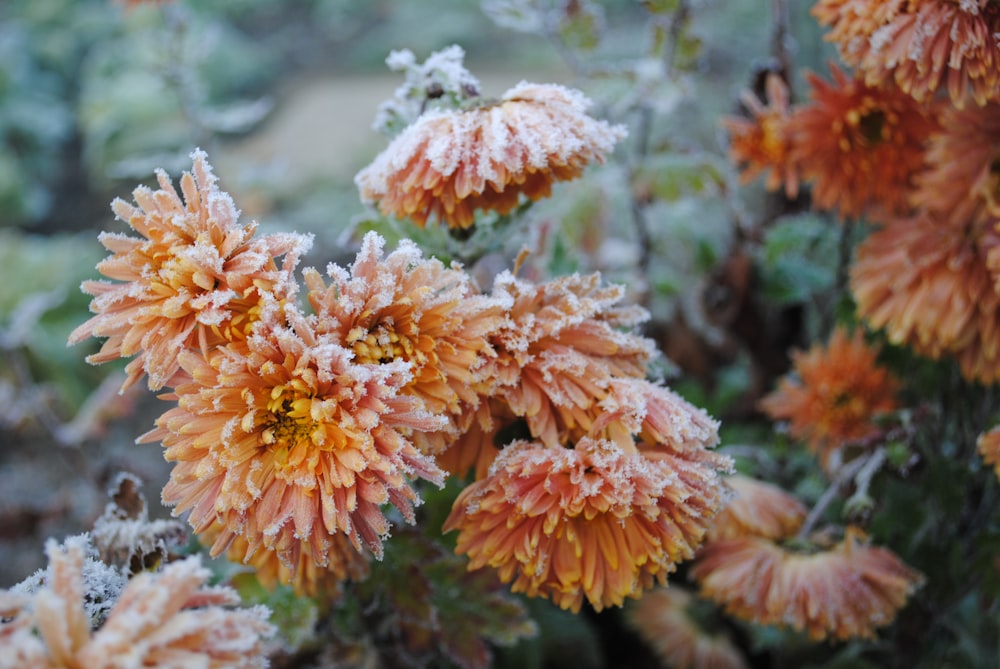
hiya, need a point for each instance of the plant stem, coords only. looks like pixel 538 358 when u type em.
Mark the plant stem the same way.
pixel 848 472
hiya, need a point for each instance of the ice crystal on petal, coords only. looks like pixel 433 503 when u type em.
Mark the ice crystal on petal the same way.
pixel 405 308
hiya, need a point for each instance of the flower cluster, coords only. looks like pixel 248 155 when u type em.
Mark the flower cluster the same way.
pixel 286 437
pixel 931 280
pixel 882 144
pixel 858 146
pixel 292 430
pixel 604 481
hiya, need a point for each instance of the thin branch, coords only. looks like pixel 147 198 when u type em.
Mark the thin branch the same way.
pixel 780 37
pixel 845 475
pixel 677 21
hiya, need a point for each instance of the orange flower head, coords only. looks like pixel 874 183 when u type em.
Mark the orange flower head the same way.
pixel 989 448
pixel 639 411
pixel 962 181
pixel 859 146
pixel 193 279
pixel 449 163
pixel 566 370
pixel 592 522
pixel 927 284
pixel 403 307
pixel 565 340
pixel 845 592
pixel 757 509
pixel 922 46
pixel 662 620
pixel 166 619
pixel 288 442
pixel 763 142
pixel 835 394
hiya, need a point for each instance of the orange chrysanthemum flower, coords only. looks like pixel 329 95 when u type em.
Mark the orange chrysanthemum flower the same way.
pixel 591 522
pixel 962 182
pixel 859 146
pixel 926 284
pixel 287 442
pixel 406 308
pixel 845 592
pixel 662 620
pixel 563 344
pixel 757 509
pixel 167 619
pixel 921 45
pixel 989 448
pixel 561 348
pixel 450 163
pixel 194 279
pixel 835 394
pixel 763 142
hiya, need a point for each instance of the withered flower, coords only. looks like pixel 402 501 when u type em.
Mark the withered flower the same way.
pixel 847 591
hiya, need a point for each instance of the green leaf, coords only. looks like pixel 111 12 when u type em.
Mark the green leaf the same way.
pixel 431 605
pixel 798 259
pixel 581 25
pixel 661 6
pixel 671 176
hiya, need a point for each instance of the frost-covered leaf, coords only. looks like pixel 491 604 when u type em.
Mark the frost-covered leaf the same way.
pixel 521 15
pixel 672 176
pixel 125 536
pixel 432 608
pixel 661 6
pixel 581 24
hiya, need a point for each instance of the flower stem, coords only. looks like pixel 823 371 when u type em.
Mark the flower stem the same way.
pixel 849 471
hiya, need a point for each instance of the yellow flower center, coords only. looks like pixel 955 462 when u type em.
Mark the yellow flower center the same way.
pixel 290 431
pixel 870 122
pixel 772 143
pixel 383 343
